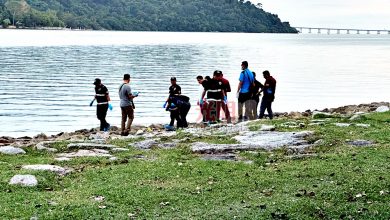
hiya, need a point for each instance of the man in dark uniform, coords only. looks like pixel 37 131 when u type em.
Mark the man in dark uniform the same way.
pixel 215 96
pixel 174 90
pixel 269 95
pixel 226 87
pixel 102 98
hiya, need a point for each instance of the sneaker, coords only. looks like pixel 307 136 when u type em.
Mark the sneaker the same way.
pixel 169 128
pixel 107 128
pixel 125 133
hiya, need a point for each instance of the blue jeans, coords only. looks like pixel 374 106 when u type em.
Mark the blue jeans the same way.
pixel 266 103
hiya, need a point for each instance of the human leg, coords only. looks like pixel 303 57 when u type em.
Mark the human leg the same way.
pixel 263 106
pixel 101 112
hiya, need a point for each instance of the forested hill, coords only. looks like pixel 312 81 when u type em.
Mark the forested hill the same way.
pixel 143 15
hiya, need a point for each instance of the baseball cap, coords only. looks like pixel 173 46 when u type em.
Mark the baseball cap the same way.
pixel 97 81
pixel 173 78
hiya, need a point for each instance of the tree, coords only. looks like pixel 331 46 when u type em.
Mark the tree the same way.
pixel 6 23
pixel 17 8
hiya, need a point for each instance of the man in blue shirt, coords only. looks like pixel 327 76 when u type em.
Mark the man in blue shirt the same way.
pixel 244 93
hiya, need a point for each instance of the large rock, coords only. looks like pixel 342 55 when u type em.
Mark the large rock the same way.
pixel 90 146
pixel 257 140
pixel 146 144
pixel 383 109
pixel 46 167
pixel 360 143
pixel 24 180
pixel 43 146
pixel 342 124
pixel 85 153
pixel 9 150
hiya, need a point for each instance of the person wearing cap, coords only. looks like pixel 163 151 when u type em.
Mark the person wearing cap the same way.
pixel 102 98
pixel 174 90
pixel 127 105
pixel 226 88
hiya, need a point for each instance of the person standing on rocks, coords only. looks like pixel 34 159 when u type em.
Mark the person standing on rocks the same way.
pixel 268 95
pixel 244 93
pixel 102 98
pixel 127 105
pixel 225 85
pixel 174 90
pixel 256 95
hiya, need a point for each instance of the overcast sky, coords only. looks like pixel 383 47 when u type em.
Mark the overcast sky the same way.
pixel 369 14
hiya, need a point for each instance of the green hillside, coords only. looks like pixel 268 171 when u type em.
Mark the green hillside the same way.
pixel 143 15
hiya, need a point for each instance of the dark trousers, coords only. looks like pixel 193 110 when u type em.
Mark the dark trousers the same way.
pixel 184 109
pixel 266 103
pixel 127 115
pixel 101 113
pixel 175 115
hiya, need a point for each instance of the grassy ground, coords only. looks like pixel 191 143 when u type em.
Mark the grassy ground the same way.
pixel 338 182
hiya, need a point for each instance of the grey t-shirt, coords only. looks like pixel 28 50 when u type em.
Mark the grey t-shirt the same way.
pixel 124 93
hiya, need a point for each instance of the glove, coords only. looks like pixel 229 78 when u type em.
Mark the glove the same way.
pixel 201 102
pixel 225 99
pixel 165 105
pixel 90 104
pixel 110 106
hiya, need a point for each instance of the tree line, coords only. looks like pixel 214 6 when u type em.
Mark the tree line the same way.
pixel 143 15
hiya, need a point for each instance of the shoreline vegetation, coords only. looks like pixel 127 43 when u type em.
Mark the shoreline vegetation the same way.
pixel 145 15
pixel 329 164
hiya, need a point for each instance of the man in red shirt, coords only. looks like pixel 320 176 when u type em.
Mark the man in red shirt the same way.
pixel 268 95
pixel 226 87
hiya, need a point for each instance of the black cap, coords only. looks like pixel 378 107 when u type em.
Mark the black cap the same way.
pixel 97 82
pixel 173 78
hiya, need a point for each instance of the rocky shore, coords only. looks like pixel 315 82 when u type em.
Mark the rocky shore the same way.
pixel 316 155
pixel 156 130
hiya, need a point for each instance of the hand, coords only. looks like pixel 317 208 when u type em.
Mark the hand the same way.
pixel 165 105
pixel 90 104
pixel 237 94
pixel 110 106
pixel 225 99
pixel 135 94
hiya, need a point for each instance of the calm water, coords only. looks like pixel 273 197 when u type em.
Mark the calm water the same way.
pixel 46 76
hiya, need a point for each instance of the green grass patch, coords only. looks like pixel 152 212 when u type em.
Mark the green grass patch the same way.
pixel 341 182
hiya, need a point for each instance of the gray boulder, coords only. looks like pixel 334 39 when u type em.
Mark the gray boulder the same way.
pixel 9 150
pixel 45 167
pixel 24 180
pixel 90 146
pixel 383 109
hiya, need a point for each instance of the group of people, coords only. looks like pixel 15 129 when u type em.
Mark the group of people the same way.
pixel 212 100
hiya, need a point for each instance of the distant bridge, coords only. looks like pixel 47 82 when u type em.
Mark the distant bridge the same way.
pixel 318 30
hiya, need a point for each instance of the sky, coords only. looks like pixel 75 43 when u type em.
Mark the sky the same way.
pixel 365 14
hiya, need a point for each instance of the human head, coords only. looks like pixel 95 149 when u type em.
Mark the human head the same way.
pixel 97 82
pixel 244 65
pixel 126 77
pixel 199 79
pixel 207 78
pixel 173 81
pixel 217 74
pixel 266 74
